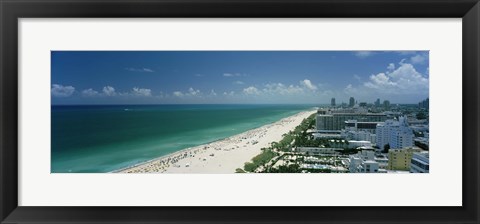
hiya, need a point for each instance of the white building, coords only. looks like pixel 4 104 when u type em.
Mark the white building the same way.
pixel 355 144
pixel 363 162
pixel 370 166
pixel 317 150
pixel 397 134
pixel 401 138
pixel 420 163
pixel 359 136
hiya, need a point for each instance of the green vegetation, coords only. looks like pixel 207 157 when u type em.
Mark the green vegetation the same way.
pixel 259 160
pixel 238 170
pixel 282 150
pixel 298 135
pixel 421 115
pixel 292 168
pixel 386 148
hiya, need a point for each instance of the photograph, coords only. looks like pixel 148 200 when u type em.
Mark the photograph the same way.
pixel 234 112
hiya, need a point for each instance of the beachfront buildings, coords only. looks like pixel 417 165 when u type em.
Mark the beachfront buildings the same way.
pixel 360 131
pixel 420 162
pixel 317 150
pixel 335 119
pixel 363 162
pixel 396 134
pixel 400 159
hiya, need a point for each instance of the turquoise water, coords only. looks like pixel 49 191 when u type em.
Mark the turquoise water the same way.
pixel 96 139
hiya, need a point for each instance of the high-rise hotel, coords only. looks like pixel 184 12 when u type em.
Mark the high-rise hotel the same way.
pixel 335 119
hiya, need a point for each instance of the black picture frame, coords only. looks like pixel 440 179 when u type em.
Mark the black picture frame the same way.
pixel 12 10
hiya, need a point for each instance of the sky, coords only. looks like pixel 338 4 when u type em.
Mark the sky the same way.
pixel 230 77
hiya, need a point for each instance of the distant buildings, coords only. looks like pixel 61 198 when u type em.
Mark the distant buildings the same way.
pixel 332 103
pixel 420 163
pixel 377 103
pixel 386 105
pixel 397 134
pixel 400 159
pixel 424 104
pixel 352 102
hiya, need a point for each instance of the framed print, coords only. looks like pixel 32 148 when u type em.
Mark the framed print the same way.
pixel 247 112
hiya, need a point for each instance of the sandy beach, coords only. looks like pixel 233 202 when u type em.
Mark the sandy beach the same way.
pixel 222 156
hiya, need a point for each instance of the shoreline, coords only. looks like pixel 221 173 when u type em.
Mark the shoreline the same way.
pixel 231 152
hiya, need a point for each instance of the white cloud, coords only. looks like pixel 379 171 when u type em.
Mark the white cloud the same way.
pixel 380 81
pixel 232 74
pixel 213 93
pixel 357 77
pixel 307 83
pixel 89 92
pixel 404 80
pixel 391 66
pixel 193 92
pixel 141 92
pixel 364 54
pixel 178 94
pixel 231 93
pixel 109 91
pixel 62 91
pixel 139 69
pixel 281 89
pixel 251 91
pixel 239 82
pixel 350 90
pixel 418 59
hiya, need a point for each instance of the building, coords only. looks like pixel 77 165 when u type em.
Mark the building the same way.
pixel 326 134
pixel 401 137
pixel 368 126
pixel 363 162
pixel 382 161
pixel 377 103
pixel 370 166
pixel 332 103
pixel 400 159
pixel 317 150
pixel 424 104
pixel 352 102
pixel 386 104
pixel 397 134
pixel 352 144
pixel 420 162
pixel 359 136
pixel 336 121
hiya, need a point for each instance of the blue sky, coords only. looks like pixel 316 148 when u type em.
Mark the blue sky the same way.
pixel 171 77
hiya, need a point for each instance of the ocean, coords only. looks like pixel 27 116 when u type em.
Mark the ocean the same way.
pixel 98 139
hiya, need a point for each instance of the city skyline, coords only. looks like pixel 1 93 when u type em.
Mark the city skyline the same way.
pixel 238 77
